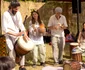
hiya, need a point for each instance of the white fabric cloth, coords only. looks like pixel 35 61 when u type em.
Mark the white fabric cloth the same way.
pixel 82 69
pixel 53 21
pixel 79 49
pixel 55 68
pixel 9 25
pixel 52 68
pixel 83 48
pixel 36 37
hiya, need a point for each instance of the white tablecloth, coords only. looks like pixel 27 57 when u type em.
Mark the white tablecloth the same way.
pixel 54 68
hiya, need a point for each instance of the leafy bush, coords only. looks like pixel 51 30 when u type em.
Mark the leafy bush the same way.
pixel 28 0
pixel 19 0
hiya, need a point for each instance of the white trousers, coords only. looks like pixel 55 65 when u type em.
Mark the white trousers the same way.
pixel 10 41
pixel 58 44
pixel 39 49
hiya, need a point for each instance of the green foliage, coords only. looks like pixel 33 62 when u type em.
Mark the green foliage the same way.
pixel 20 0
pixel 27 0
pixel 7 0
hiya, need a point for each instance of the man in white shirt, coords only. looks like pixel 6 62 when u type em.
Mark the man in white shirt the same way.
pixel 57 24
pixel 11 26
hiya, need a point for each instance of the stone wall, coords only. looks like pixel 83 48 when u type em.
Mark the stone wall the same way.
pixel 46 10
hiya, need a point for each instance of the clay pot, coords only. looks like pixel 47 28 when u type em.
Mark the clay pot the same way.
pixel 41 28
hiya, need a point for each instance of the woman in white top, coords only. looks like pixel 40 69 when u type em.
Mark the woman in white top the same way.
pixel 36 30
pixel 81 41
pixel 81 38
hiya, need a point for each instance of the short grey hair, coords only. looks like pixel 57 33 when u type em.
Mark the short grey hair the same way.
pixel 58 9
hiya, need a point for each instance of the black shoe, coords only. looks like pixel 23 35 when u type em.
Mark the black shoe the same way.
pixel 61 62
pixel 42 64
pixel 20 68
pixel 34 65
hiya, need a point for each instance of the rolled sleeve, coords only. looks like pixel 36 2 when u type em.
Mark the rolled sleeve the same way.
pixel 50 22
pixel 65 22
